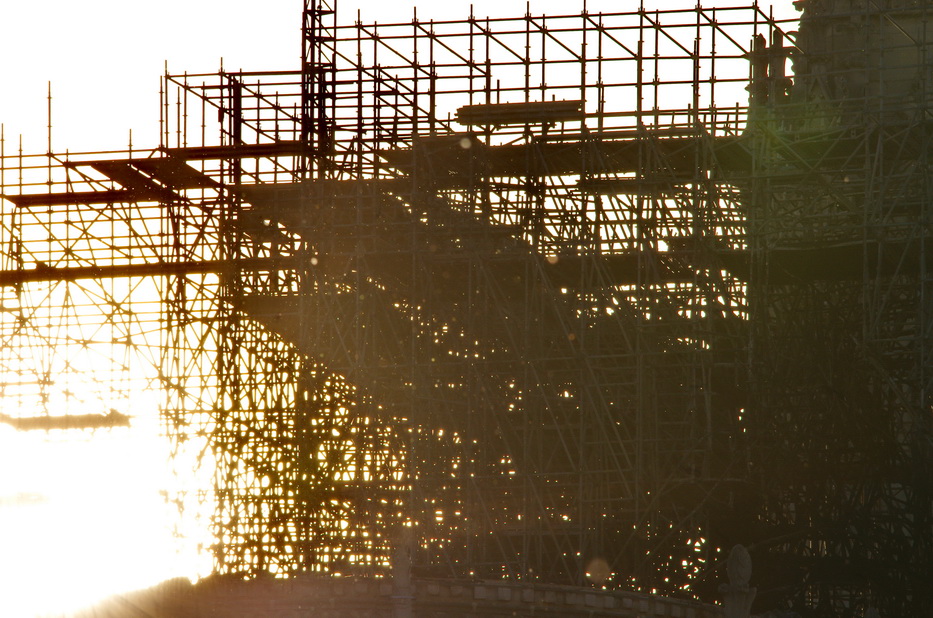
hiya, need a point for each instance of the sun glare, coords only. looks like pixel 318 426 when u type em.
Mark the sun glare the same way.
pixel 83 514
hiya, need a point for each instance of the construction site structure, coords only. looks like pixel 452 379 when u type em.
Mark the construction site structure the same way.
pixel 571 300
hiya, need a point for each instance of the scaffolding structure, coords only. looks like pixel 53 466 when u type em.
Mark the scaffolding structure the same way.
pixel 547 299
pixel 839 346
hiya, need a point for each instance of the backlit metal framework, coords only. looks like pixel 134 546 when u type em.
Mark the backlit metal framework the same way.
pixel 527 298
pixel 840 310
pixel 492 293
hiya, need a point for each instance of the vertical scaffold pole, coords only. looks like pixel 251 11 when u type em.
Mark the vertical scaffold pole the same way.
pixel 318 54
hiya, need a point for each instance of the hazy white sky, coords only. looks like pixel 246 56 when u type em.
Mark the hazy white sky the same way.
pixel 104 57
